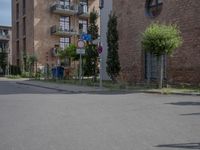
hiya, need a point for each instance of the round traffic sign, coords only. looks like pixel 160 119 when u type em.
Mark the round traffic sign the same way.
pixel 81 44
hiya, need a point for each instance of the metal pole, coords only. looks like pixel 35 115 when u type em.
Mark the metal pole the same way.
pixel 80 69
pixel 101 55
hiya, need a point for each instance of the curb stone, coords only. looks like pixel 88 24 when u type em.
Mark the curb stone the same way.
pixel 109 91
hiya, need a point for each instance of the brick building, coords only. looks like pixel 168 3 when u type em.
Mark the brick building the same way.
pixel 5 48
pixel 40 25
pixel 133 18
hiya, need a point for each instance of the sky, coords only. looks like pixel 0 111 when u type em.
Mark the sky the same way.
pixel 5 12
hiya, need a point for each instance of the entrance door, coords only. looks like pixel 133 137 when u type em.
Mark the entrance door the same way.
pixel 152 66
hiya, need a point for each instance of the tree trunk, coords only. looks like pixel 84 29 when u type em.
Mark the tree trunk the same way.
pixel 148 69
pixel 161 72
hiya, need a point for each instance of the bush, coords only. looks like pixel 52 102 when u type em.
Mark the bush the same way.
pixel 15 70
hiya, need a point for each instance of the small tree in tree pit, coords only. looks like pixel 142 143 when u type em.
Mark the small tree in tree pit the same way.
pixel 160 40
pixel 113 64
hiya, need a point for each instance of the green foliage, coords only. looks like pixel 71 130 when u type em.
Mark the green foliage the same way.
pixel 91 56
pixel 71 52
pixel 93 28
pixel 161 39
pixel 68 52
pixel 15 70
pixel 3 60
pixel 90 67
pixel 32 59
pixel 113 64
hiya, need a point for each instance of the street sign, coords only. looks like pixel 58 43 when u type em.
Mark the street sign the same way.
pixel 96 42
pixel 86 37
pixel 81 44
pixel 100 49
pixel 80 51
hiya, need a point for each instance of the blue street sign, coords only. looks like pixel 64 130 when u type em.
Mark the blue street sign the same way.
pixel 86 37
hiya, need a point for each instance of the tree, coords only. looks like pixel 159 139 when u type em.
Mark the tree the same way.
pixel 113 64
pixel 160 40
pixel 68 52
pixel 71 52
pixel 32 60
pixel 3 61
pixel 90 66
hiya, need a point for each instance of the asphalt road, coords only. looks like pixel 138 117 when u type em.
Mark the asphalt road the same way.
pixel 34 118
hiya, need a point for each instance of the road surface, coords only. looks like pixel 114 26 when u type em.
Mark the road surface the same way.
pixel 34 118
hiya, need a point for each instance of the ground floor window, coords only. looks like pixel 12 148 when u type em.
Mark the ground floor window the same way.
pixel 65 41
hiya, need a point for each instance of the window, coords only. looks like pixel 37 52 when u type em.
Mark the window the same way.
pixel 3 46
pixel 65 23
pixel 83 26
pixel 24 26
pixel 84 5
pixel 64 42
pixel 17 32
pixel 24 45
pixel 17 45
pixel 153 7
pixel 3 32
pixel 24 7
pixel 17 11
pixel 65 2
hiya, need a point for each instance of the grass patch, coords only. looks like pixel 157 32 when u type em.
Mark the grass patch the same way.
pixel 13 76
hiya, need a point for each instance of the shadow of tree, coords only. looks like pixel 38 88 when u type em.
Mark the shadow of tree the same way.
pixel 190 114
pixel 185 103
pixel 182 146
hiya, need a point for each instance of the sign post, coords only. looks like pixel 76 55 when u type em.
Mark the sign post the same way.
pixel 100 50
pixel 80 51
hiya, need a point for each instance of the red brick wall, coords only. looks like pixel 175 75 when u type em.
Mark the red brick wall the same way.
pixel 184 65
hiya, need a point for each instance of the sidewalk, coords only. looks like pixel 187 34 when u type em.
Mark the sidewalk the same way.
pixel 93 89
pixel 63 87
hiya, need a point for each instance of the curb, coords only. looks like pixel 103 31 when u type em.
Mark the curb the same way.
pixel 182 94
pixel 108 91
pixel 58 89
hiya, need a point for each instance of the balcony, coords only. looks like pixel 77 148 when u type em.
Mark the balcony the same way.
pixel 4 37
pixel 57 30
pixel 64 10
pixel 83 12
pixel 4 50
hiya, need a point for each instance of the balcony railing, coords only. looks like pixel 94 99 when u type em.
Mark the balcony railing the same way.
pixel 66 10
pixel 83 12
pixel 59 31
pixel 4 50
pixel 4 37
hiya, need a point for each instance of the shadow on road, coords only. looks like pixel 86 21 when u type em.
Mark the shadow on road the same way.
pixel 182 146
pixel 10 87
pixel 185 103
pixel 195 114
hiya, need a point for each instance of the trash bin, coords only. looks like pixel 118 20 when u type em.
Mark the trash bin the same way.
pixel 58 72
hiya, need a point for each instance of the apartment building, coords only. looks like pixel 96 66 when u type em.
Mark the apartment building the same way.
pixel 134 16
pixel 41 25
pixel 5 48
